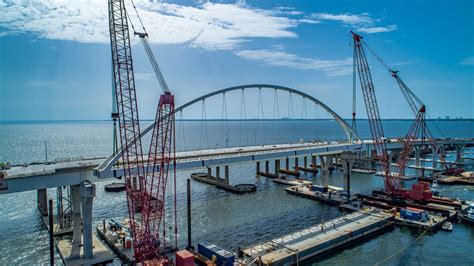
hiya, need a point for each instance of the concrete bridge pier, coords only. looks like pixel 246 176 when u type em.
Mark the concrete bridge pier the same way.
pixel 76 220
pixel 87 196
pixel 324 170
pixel 297 167
pixel 347 161
pixel 287 164
pixel 313 162
pixel 436 150
pixel 277 166
pixel 43 201
pixel 418 159
pixel 305 162
pixel 209 172
pixel 267 167
pixel 218 172
pixel 460 151
pixel 226 174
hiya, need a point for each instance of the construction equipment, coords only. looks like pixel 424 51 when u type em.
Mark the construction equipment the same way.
pixel 146 183
pixel 391 181
pixel 418 108
pixel 373 114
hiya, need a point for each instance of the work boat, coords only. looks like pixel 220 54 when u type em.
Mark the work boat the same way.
pixel 468 215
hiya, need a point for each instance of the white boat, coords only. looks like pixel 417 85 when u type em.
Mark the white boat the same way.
pixel 447 226
pixel 468 215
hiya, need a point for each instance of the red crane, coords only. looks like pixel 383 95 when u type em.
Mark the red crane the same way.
pixel 416 105
pixel 146 183
pixel 392 182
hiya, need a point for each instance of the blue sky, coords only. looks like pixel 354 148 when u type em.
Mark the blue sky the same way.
pixel 55 55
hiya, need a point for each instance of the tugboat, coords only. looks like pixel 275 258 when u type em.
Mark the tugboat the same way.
pixel 468 215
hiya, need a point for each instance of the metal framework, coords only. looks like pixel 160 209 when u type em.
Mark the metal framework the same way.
pixel 145 187
pixel 126 99
pixel 373 114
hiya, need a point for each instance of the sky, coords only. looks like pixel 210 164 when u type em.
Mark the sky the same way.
pixel 55 61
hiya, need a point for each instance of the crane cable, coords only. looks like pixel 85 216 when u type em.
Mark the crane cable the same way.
pixel 139 18
pixel 404 248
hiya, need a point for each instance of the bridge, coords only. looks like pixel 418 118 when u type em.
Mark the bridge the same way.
pixel 74 172
pixel 79 175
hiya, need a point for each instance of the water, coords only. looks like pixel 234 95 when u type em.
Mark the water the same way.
pixel 218 216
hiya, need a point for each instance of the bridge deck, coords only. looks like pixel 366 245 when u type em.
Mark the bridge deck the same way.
pixel 38 176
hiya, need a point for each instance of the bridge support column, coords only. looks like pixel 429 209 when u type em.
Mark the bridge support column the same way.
pixel 226 174
pixel 257 170
pixel 442 153
pixel 347 166
pixel 313 162
pixel 459 152
pixel 436 149
pixel 305 162
pixel 391 156
pixel 287 163
pixel 324 170
pixel 43 201
pixel 209 172
pixel 87 197
pixel 267 167
pixel 418 159
pixel 347 161
pixel 277 166
pixel 297 167
pixel 76 218
pixel 218 172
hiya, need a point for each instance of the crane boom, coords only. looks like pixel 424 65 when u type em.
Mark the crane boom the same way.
pixel 154 64
pixel 146 186
pixel 416 105
pixel 129 127
pixel 373 114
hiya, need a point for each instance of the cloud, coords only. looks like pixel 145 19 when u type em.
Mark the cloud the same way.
pixel 350 19
pixel 40 83
pixel 211 26
pixel 283 59
pixel 370 30
pixel 309 21
pixel 145 76
pixel 468 61
pixel 361 22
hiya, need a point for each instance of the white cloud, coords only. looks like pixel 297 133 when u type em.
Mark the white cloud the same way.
pixel 370 30
pixel 361 22
pixel 309 21
pixel 40 83
pixel 283 59
pixel 468 61
pixel 208 25
pixel 350 19
pixel 145 76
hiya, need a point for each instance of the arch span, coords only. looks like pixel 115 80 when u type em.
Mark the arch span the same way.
pixel 350 133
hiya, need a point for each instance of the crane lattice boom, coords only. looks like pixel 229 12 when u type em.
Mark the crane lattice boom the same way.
pixel 373 114
pixel 146 184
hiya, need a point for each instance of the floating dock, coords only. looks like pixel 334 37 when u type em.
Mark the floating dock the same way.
pixel 319 239
pixel 363 171
pixel 394 174
pixel 332 196
pixel 292 181
pixel 222 183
